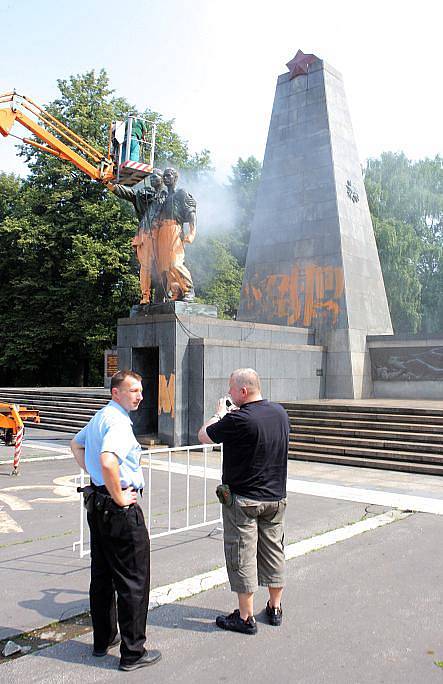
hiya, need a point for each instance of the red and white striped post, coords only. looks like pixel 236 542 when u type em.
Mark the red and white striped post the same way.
pixel 18 439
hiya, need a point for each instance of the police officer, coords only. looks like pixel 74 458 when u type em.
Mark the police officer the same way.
pixel 107 449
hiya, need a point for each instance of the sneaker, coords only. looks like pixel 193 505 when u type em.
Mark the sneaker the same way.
pixel 148 658
pixel 274 615
pixel 115 642
pixel 234 623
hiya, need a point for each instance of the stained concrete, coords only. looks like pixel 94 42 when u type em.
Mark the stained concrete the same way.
pixel 197 354
pixel 312 258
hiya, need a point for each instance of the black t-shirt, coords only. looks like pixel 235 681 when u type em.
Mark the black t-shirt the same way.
pixel 255 450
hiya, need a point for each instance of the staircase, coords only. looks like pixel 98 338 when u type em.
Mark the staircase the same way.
pixel 389 436
pixel 65 410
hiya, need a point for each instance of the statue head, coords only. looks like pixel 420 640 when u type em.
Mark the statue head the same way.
pixel 156 178
pixel 170 177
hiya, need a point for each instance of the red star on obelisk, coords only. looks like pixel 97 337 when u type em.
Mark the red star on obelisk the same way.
pixel 299 64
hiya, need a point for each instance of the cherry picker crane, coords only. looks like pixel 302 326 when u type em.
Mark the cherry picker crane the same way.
pixel 116 165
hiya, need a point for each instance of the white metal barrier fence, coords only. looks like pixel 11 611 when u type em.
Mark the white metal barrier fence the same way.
pixel 161 461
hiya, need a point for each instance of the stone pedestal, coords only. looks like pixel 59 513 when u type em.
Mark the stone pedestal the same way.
pixel 182 308
pixel 185 361
pixel 312 259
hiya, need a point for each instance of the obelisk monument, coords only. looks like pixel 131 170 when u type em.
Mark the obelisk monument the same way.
pixel 312 258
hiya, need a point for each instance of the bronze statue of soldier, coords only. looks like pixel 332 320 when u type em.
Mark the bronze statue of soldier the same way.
pixel 159 242
pixel 178 208
pixel 147 203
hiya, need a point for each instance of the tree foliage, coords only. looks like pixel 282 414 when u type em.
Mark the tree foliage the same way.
pixel 66 261
pixel 406 202
pixel 67 267
pixel 217 264
pixel 243 186
pixel 217 275
pixel 399 250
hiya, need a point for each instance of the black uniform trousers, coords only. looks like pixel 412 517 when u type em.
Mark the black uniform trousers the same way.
pixel 120 562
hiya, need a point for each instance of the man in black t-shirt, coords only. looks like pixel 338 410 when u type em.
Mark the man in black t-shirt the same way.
pixel 255 435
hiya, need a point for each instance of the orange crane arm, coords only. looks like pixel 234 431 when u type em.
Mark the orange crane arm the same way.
pixel 59 139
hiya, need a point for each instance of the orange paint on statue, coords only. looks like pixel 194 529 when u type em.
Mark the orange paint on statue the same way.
pixel 166 394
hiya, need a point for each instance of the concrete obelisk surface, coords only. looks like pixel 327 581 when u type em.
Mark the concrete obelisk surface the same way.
pixel 312 258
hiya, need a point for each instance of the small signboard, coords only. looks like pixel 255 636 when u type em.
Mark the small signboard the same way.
pixel 111 366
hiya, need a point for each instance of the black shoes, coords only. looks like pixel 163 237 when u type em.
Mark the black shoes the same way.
pixel 115 642
pixel 234 623
pixel 148 658
pixel 274 615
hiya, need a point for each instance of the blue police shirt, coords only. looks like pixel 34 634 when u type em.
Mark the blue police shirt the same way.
pixel 111 430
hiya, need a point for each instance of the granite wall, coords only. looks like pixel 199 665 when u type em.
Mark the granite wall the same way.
pixel 196 355
pixel 312 259
pixel 407 366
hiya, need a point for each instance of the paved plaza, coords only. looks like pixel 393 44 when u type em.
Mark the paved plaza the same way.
pixel 362 603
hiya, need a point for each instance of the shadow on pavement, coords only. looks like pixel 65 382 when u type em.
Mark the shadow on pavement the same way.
pixel 178 616
pixel 48 605
pixel 73 651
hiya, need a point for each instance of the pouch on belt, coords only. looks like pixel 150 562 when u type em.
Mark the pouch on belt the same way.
pixel 88 497
pixel 224 494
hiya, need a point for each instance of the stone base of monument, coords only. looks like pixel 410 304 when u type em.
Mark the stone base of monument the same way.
pixel 185 355
pixel 187 308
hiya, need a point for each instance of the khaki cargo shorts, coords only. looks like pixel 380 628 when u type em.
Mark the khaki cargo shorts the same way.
pixel 254 543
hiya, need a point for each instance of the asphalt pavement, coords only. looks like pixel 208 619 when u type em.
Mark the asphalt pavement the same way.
pixel 364 609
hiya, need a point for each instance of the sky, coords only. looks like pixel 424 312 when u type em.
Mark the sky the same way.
pixel 212 65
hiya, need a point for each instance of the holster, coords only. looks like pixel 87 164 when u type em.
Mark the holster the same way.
pixel 89 494
pixel 224 494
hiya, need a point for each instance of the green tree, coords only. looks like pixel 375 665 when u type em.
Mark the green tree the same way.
pixel 399 249
pixel 410 195
pixel 243 185
pixel 217 275
pixel 10 186
pixel 66 257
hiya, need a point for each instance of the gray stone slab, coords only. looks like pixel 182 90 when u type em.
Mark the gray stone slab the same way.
pixel 177 307
pixel 402 389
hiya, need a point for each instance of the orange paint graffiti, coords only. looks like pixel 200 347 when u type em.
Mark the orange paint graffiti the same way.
pixel 166 394
pixel 305 294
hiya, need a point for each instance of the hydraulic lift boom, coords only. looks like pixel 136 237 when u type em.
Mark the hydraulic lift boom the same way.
pixel 60 141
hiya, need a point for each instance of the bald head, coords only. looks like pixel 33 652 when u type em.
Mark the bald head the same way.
pixel 246 377
pixel 244 386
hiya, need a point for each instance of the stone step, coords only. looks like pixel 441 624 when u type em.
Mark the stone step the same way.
pixel 146 441
pixel 361 433
pixel 65 414
pixel 374 443
pixel 366 452
pixel 59 421
pixel 372 425
pixel 75 414
pixel 46 401
pixel 434 419
pixel 385 464
pixel 361 408
pixel 98 395
pixel 150 442
pixel 53 426
pixel 53 411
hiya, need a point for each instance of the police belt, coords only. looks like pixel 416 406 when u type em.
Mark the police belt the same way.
pixel 102 489
pixel 97 497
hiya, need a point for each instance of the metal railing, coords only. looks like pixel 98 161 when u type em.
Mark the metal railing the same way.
pixel 161 461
